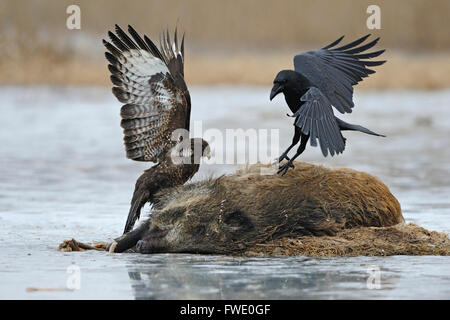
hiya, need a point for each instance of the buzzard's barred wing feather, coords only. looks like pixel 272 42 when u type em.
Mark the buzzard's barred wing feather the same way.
pixel 174 59
pixel 150 83
pixel 316 119
pixel 336 70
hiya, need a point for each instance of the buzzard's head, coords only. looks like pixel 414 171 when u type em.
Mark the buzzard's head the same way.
pixel 189 151
pixel 200 149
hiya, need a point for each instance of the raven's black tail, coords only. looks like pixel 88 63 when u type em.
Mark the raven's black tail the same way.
pixel 347 126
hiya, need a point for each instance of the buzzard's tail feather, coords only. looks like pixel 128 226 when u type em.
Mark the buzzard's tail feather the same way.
pixel 135 211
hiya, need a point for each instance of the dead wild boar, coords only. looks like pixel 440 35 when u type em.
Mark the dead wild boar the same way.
pixel 232 213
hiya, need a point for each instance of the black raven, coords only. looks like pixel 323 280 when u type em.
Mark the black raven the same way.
pixel 323 79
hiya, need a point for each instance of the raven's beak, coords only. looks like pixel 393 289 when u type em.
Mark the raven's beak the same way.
pixel 277 88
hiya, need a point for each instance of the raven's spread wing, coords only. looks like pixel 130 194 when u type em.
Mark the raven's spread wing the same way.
pixel 336 71
pixel 150 81
pixel 316 119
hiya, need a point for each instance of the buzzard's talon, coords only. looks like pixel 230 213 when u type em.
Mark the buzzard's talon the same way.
pixel 285 167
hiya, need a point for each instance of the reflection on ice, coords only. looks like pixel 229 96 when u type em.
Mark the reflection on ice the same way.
pixel 64 174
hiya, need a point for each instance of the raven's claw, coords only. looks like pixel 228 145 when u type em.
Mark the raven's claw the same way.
pixel 283 156
pixel 285 167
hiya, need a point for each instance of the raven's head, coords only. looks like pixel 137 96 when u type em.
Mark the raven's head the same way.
pixel 284 81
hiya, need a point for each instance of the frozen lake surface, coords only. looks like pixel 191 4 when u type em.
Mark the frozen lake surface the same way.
pixel 64 174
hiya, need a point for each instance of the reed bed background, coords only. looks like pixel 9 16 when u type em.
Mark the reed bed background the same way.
pixel 234 41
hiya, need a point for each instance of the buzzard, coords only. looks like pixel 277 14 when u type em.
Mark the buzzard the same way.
pixel 323 79
pixel 156 112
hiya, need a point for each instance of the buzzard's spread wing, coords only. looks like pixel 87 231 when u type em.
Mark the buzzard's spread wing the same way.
pixel 336 70
pixel 150 81
pixel 316 119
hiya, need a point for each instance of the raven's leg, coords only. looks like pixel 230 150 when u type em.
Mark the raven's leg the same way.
pixel 295 140
pixel 284 168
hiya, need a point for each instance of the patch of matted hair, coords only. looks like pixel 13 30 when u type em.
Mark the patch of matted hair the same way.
pixel 401 239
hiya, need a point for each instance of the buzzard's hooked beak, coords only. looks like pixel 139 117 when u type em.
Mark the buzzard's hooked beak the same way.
pixel 277 88
pixel 207 153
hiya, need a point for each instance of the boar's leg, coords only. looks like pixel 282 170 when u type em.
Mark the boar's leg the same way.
pixel 129 240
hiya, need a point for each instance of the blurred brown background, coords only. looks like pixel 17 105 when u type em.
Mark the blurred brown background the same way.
pixel 234 41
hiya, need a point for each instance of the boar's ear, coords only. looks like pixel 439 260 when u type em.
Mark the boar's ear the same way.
pixel 238 221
